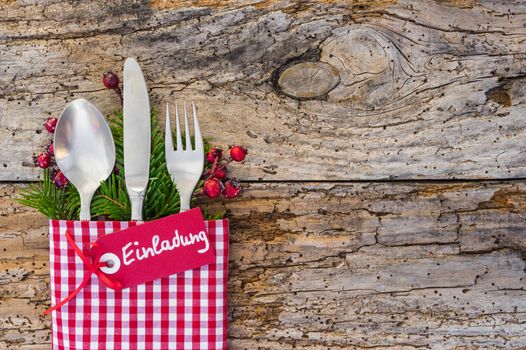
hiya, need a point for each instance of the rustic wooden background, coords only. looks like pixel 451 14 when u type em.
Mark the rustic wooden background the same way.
pixel 386 186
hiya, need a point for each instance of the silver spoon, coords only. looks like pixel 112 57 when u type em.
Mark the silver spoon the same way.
pixel 84 150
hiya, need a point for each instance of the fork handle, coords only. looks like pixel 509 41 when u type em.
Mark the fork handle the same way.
pixel 136 200
pixel 184 198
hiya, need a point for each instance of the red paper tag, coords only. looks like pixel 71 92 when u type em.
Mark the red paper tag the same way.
pixel 155 249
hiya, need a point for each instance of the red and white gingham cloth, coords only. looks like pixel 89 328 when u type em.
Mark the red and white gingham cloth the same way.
pixel 183 311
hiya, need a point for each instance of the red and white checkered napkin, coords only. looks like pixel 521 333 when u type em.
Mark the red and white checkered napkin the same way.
pixel 183 311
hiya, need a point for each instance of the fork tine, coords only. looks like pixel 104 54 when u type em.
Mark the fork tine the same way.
pixel 197 131
pixel 178 129
pixel 187 136
pixel 168 142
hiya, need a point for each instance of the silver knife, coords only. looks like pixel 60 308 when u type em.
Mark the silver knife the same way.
pixel 137 134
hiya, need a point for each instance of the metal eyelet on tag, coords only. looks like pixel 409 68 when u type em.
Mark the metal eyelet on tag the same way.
pixel 113 261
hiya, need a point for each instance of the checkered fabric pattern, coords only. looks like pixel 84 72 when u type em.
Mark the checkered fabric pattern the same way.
pixel 183 311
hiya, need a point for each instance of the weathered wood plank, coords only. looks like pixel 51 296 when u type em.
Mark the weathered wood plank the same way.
pixel 339 266
pixel 416 89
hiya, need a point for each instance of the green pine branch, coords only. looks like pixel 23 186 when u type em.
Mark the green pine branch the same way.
pixel 48 199
pixel 111 199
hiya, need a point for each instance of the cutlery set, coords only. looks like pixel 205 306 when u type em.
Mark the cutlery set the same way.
pixel 85 151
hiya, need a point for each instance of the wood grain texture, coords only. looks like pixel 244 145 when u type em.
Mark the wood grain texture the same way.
pixel 331 90
pixel 424 89
pixel 334 266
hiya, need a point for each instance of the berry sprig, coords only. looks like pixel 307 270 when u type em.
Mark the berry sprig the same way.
pixel 216 181
pixel 111 81
pixel 46 159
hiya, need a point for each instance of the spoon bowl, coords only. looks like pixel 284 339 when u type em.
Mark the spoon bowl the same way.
pixel 84 150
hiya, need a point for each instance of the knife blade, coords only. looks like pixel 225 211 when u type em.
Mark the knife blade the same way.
pixel 137 134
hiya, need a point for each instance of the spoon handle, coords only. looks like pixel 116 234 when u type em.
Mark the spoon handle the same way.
pixel 85 203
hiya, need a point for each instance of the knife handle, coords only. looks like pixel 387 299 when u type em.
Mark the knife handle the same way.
pixel 136 206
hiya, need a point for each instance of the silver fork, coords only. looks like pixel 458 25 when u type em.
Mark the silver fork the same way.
pixel 184 165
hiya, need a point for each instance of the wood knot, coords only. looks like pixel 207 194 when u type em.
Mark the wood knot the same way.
pixel 357 66
pixel 308 80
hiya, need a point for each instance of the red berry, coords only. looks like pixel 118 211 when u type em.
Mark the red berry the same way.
pixel 232 188
pixel 43 160
pixel 212 187
pixel 50 125
pixel 214 154
pixel 110 80
pixel 51 150
pixel 60 180
pixel 238 153
pixel 219 174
